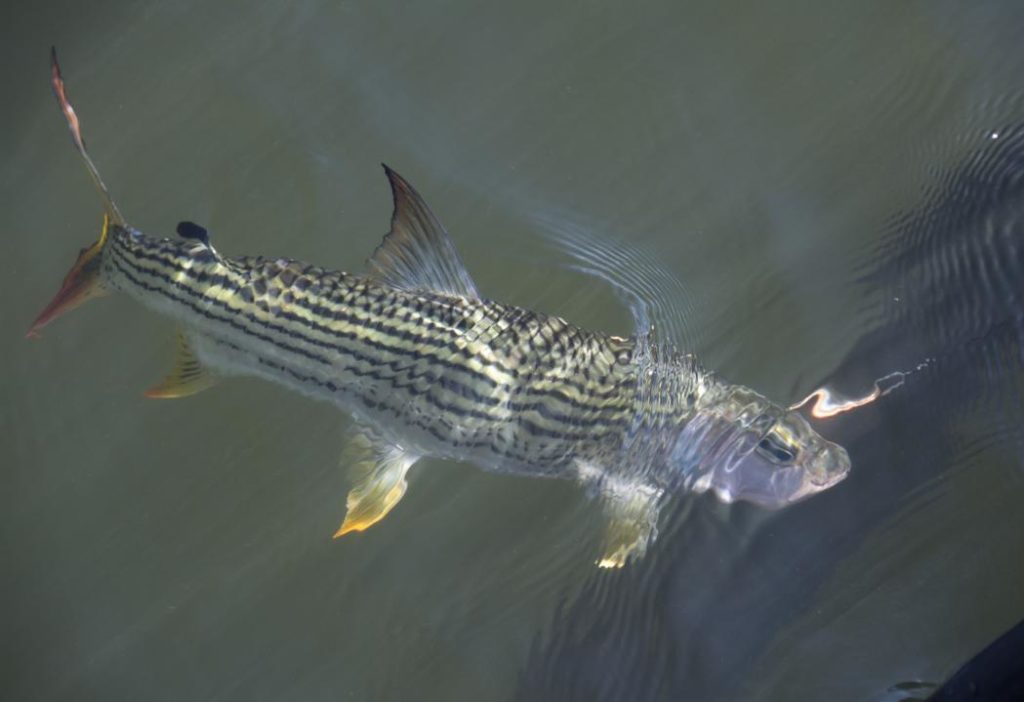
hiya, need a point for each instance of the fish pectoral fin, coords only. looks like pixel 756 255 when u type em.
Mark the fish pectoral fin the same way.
pixel 378 469
pixel 187 377
pixel 632 513
pixel 417 254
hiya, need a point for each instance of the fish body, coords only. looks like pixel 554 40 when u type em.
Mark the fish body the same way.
pixel 441 375
pixel 427 367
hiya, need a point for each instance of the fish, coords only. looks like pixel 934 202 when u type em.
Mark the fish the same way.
pixel 428 367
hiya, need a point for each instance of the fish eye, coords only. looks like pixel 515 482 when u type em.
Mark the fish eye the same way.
pixel 772 447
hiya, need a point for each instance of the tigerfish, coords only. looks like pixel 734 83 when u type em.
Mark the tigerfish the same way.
pixel 426 366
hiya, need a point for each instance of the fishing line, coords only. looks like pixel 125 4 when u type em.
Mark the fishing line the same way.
pixel 828 403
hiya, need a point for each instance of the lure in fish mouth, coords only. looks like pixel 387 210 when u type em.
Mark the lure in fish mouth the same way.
pixel 427 367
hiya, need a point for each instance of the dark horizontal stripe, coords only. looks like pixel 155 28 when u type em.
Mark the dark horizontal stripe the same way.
pixel 466 391
pixel 559 340
pixel 610 419
pixel 207 277
pixel 462 389
pixel 329 385
pixel 429 376
pixel 372 404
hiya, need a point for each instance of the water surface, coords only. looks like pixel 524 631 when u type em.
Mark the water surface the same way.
pixel 833 188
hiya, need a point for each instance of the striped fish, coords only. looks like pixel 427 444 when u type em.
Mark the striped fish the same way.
pixel 428 367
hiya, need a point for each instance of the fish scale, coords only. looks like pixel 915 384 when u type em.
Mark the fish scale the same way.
pixel 427 367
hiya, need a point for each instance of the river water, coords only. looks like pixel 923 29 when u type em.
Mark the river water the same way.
pixel 832 192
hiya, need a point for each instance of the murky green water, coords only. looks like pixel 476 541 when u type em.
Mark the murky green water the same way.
pixel 763 156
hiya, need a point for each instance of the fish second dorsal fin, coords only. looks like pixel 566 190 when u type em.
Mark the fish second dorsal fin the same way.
pixel 417 255
pixel 191 230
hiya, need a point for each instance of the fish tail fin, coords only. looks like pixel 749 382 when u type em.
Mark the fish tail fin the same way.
pixel 57 82
pixel 84 281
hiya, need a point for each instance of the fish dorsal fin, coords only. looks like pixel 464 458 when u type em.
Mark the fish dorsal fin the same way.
pixel 417 255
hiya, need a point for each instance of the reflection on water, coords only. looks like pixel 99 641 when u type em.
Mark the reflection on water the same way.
pixel 838 189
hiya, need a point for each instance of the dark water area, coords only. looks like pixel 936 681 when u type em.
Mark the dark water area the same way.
pixel 993 674
pixel 804 195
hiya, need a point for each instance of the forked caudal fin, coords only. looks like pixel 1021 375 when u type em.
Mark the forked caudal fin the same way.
pixel 57 82
pixel 83 281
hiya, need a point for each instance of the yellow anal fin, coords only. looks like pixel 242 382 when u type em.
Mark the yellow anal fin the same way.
pixel 186 378
pixel 632 513
pixel 378 469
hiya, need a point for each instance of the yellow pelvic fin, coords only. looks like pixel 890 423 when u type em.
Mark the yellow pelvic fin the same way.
pixel 186 378
pixel 632 513
pixel 378 469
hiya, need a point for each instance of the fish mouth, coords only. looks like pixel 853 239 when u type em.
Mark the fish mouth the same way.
pixel 827 469
pixel 830 466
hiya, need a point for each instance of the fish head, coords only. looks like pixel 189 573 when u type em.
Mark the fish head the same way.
pixel 746 448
